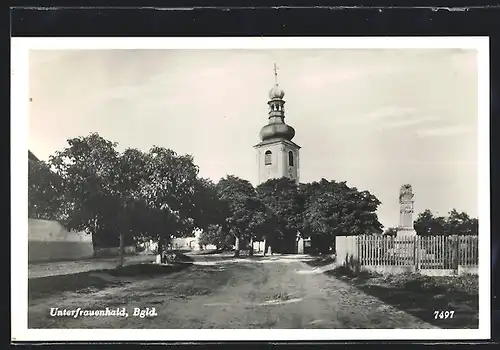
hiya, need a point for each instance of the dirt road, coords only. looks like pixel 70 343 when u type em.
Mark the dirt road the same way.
pixel 225 293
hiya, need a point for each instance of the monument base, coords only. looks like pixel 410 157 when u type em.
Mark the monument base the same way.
pixel 405 235
pixel 406 232
pixel 300 246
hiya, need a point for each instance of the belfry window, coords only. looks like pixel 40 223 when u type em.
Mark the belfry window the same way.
pixel 267 158
pixel 290 158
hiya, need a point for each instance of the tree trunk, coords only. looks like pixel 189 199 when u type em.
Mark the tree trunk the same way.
pixel 250 252
pixel 121 250
pixel 237 247
pixel 265 240
pixel 160 250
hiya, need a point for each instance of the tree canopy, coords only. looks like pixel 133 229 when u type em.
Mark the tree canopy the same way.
pixel 335 209
pixel 157 194
pixel 119 197
pixel 456 223
pixel 245 214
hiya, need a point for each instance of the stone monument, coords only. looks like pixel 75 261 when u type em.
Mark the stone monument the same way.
pixel 406 201
pixel 300 244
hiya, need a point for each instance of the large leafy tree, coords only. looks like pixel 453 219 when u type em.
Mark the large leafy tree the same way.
pixel 87 168
pixel 335 209
pixel 168 192
pixel 427 224
pixel 460 223
pixel 131 209
pixel 211 216
pixel 207 210
pixel 121 197
pixel 246 213
pixel 285 204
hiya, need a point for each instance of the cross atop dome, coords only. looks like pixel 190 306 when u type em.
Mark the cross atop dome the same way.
pixel 276 93
pixel 275 74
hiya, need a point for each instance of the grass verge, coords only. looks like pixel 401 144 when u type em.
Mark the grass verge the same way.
pixel 421 295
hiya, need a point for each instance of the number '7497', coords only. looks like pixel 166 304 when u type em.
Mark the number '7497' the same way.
pixel 442 315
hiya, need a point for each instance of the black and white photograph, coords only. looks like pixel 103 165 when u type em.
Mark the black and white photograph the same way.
pixel 250 188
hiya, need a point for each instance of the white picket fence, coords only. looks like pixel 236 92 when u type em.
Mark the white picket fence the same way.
pixel 431 255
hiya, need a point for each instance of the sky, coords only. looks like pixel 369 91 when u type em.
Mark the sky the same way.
pixel 375 118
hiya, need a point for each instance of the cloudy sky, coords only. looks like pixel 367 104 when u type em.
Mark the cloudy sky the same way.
pixel 374 118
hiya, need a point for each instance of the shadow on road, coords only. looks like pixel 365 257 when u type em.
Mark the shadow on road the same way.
pixel 422 295
pixel 207 252
pixel 320 261
pixel 92 281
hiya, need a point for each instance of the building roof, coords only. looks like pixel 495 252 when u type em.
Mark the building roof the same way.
pixel 31 156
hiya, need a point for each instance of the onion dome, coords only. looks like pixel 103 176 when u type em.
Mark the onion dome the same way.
pixel 277 130
pixel 276 93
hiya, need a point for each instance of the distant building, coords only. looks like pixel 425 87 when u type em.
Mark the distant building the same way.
pixel 32 157
pixel 190 243
pixel 187 243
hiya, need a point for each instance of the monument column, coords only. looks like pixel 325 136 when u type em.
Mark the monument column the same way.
pixel 406 212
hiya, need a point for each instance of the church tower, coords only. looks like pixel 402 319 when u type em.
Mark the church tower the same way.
pixel 277 155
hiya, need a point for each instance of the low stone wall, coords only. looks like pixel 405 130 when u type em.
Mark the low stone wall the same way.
pixel 389 269
pixel 438 272
pixel 467 270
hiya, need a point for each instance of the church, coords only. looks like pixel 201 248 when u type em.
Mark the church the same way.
pixel 277 157
pixel 277 154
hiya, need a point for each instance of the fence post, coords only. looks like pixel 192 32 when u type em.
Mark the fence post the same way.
pixel 358 255
pixel 415 253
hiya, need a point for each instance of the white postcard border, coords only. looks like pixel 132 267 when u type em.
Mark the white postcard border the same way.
pixel 19 169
